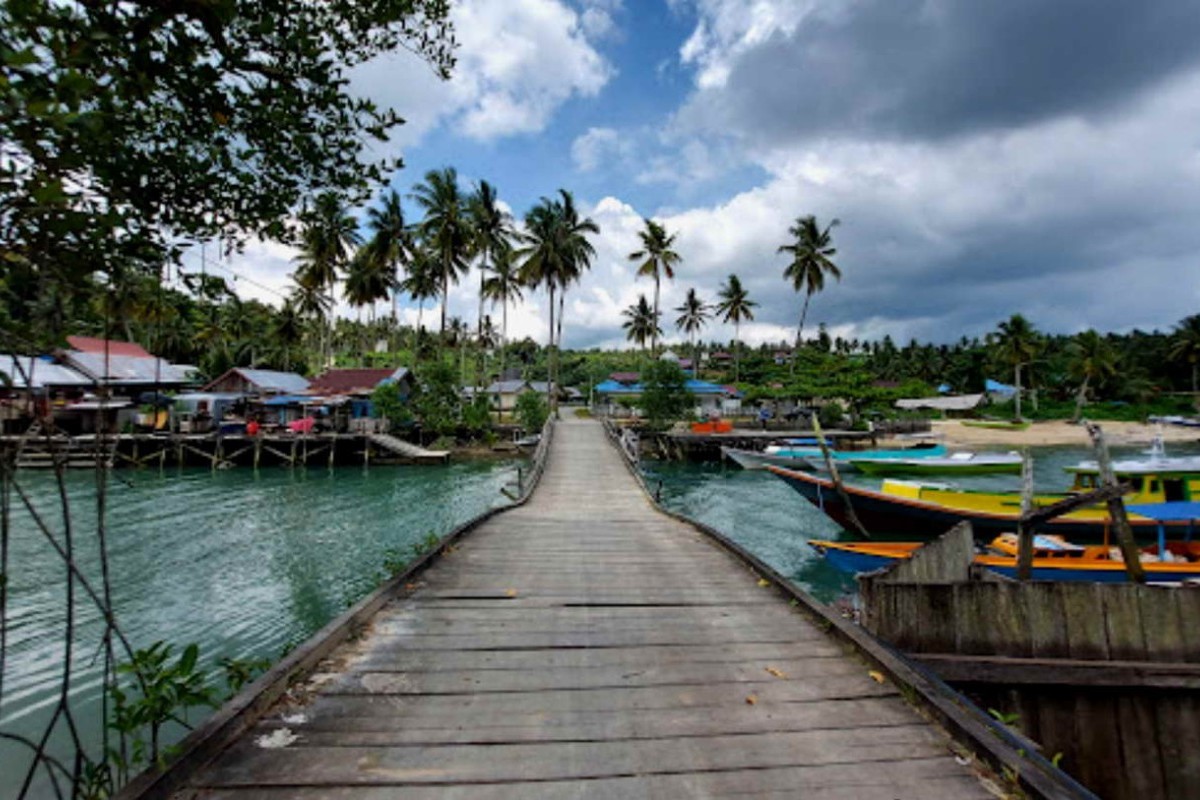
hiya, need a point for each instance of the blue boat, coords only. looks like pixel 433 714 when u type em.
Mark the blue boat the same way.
pixel 809 450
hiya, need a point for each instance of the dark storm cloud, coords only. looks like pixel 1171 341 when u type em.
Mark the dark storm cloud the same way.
pixel 935 68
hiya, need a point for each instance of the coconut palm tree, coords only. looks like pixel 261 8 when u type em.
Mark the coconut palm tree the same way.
pixel 657 260
pixel 368 280
pixel 287 330
pixel 1016 344
pixel 1091 359
pixel 503 285
pixel 641 323
pixel 556 252
pixel 693 316
pixel 330 234
pixel 812 251
pixel 391 241
pixel 422 283
pixel 446 228
pixel 735 305
pixel 1185 347
pixel 492 231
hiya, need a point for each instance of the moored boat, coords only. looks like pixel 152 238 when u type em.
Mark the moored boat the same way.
pixel 997 424
pixel 800 448
pixel 753 459
pixel 953 464
pixel 923 510
pixel 1054 559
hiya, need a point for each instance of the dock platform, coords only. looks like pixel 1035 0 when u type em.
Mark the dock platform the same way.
pixel 586 645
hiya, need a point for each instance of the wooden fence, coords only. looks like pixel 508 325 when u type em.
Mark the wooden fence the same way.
pixel 1107 675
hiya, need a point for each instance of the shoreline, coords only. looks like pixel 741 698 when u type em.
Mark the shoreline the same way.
pixel 1060 432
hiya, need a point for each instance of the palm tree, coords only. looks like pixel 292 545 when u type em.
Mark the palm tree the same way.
pixel 368 280
pixel 503 285
pixel 445 228
pixel 1016 345
pixel 1185 347
pixel 421 284
pixel 811 252
pixel 287 329
pixel 329 235
pixel 391 241
pixel 1092 359
pixel 641 322
pixel 693 316
pixel 556 252
pixel 734 307
pixel 492 230
pixel 658 259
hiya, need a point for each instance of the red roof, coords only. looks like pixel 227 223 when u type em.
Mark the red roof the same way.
pixel 625 377
pixel 348 381
pixel 90 344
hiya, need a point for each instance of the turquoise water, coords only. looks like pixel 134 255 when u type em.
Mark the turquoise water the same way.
pixel 760 512
pixel 244 563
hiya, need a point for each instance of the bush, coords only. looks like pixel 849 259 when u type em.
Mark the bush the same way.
pixel 532 411
pixel 832 415
pixel 437 402
pixel 665 398
pixel 477 417
pixel 387 403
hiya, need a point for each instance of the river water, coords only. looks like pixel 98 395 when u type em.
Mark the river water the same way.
pixel 244 563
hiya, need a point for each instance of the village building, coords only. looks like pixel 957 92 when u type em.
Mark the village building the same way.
pixel 258 382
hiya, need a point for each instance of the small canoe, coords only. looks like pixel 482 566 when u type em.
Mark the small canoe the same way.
pixel 997 424
pixel 752 459
pixel 953 464
pixel 845 458
pixel 1055 559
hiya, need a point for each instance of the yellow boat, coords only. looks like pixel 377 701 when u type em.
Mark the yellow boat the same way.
pixel 924 510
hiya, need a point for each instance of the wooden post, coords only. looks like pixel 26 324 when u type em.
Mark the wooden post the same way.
pixel 837 479
pixel 1116 507
pixel 332 448
pixel 1025 531
pixel 257 451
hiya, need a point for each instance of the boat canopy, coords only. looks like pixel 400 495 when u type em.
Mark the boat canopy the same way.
pixel 1171 511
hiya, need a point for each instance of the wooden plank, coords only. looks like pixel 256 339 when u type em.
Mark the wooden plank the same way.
pixel 911 778
pixel 376 730
pixel 248 765
pixel 1006 670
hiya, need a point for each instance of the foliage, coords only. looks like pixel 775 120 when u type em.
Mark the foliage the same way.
pixel 665 398
pixel 132 128
pixel 658 260
pixel 641 322
pixel 531 411
pixel 477 416
pixel 436 400
pixel 159 691
pixel 240 671
pixel 832 415
pixel 386 402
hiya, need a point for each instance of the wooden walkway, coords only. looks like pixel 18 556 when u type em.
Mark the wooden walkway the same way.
pixel 585 645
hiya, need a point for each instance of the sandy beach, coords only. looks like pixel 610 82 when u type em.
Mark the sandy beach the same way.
pixel 1059 432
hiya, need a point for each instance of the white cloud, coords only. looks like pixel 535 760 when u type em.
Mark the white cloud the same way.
pixel 517 63
pixel 600 147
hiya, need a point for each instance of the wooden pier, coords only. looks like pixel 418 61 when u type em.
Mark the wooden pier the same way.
pixel 583 644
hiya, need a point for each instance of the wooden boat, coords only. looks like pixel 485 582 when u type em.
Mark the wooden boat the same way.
pixel 953 464
pixel 802 449
pixel 753 459
pixel 997 424
pixel 1054 559
pixel 924 510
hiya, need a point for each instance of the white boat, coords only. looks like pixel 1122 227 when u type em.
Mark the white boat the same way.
pixel 752 459
pixel 1156 463
pixel 954 464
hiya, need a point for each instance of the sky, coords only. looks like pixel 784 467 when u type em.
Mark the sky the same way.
pixel 983 159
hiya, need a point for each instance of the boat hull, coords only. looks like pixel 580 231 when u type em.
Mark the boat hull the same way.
pixel 857 559
pixel 751 459
pixel 902 517
pixel 935 466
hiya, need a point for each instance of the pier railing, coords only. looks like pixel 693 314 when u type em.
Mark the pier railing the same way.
pixel 245 708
